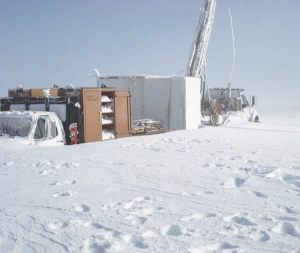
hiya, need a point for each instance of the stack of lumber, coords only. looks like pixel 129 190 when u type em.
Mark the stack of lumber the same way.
pixel 147 127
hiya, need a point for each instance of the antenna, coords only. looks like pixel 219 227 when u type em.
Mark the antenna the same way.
pixel 233 46
pixel 96 74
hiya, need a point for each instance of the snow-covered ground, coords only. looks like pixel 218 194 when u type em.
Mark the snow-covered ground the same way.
pixel 234 188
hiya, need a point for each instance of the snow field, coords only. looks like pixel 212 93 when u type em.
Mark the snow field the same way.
pixel 216 189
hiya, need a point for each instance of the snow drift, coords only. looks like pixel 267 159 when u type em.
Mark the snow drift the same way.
pixel 233 188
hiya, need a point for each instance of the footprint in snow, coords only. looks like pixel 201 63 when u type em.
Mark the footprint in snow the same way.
pixel 243 221
pixel 135 241
pixel 219 165
pixel 284 177
pixel 219 247
pixel 135 202
pixel 234 183
pixel 227 158
pixel 110 207
pixel 44 163
pixel 116 164
pixel 198 216
pixel 288 177
pixel 202 193
pixel 260 195
pixel 60 182
pixel 71 165
pixel 144 211
pixel 183 150
pixel 99 244
pixel 57 225
pixel 210 165
pixel 286 228
pixel 99 226
pixel 252 162
pixel 140 215
pixel 82 208
pixel 208 192
pixel 239 225
pixel 264 236
pixel 184 194
pixel 173 230
pixel 259 236
pixel 10 163
pixel 47 172
pixel 155 149
pixel 135 220
pixel 137 211
pixel 291 210
pixel 64 194
pixel 149 234
pixel 291 179
pixel 240 219
pixel 285 218
pixel 248 170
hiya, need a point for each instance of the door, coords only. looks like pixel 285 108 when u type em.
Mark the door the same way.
pixel 122 114
pixel 92 114
pixel 48 131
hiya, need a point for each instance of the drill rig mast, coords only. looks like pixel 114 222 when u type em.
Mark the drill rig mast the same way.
pixel 197 60
pixel 199 48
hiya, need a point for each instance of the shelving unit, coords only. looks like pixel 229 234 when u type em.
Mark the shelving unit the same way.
pixel 106 114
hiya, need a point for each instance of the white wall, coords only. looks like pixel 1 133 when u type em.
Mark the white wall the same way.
pixel 174 101
pixel 193 109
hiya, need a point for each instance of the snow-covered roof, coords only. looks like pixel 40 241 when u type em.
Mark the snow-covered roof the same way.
pixel 137 77
pixel 25 113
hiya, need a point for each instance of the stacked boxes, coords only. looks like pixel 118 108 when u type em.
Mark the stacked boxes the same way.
pixel 39 92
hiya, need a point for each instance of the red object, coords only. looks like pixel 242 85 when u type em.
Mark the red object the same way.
pixel 73 133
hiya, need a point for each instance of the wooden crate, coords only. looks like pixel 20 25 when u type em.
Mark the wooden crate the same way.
pixel 38 92
pixel 18 93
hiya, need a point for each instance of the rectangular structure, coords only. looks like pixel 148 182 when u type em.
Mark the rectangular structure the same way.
pixel 91 102
pixel 174 101
pixel 106 114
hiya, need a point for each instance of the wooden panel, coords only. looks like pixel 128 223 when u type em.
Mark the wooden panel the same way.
pixel 39 92
pixel 122 114
pixel 92 114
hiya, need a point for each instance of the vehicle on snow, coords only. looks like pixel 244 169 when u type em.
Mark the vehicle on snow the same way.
pixel 220 104
pixel 38 127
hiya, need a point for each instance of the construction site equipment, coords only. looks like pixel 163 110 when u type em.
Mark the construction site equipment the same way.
pixel 95 119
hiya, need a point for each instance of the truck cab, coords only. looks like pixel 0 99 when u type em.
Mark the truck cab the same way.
pixel 36 127
pixel 248 103
pixel 222 103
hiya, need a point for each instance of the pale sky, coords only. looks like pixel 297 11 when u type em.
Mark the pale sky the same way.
pixel 43 43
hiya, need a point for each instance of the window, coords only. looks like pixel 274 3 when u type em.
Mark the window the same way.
pixel 15 124
pixel 45 128
pixel 245 101
pixel 40 130
pixel 53 130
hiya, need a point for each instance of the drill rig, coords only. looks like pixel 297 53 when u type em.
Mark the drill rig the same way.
pixel 216 104
pixel 196 66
